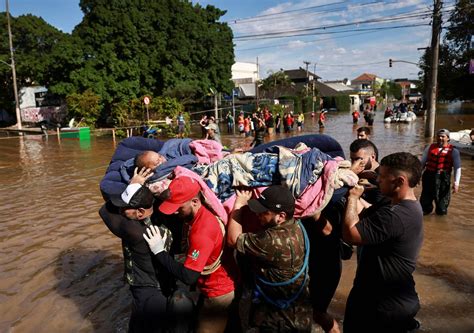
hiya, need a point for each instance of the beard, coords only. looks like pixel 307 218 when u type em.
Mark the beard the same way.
pixel 188 217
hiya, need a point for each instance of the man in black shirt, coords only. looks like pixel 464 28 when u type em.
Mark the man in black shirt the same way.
pixel 383 298
pixel 127 217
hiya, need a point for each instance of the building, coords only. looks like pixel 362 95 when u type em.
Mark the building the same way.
pixel 245 77
pixel 365 84
pixel 301 78
pixel 409 89
pixel 37 106
pixel 337 88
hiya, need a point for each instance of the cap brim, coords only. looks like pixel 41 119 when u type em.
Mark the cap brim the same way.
pixel 117 201
pixel 168 208
pixel 256 207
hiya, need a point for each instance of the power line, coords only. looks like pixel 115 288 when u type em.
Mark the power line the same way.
pixel 300 32
pixel 369 21
pixel 284 12
pixel 364 31
pixel 289 15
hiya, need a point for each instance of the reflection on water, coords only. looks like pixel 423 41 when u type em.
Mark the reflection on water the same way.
pixel 61 269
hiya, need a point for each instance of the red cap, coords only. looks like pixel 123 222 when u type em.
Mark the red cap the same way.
pixel 181 189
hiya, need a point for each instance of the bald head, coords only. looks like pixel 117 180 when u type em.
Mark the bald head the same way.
pixel 149 159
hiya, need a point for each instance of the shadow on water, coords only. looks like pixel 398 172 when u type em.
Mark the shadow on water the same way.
pixel 79 272
pixel 453 277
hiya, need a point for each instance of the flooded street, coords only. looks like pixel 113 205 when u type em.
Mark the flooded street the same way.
pixel 61 269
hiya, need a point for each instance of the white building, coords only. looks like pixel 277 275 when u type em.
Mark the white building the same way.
pixel 245 76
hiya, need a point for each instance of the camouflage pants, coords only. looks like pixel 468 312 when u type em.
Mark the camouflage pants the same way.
pixel 437 188
pixel 267 318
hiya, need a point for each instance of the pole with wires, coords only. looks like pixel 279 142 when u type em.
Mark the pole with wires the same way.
pixel 431 117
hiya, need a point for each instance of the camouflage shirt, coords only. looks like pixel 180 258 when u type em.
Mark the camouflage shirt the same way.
pixel 278 255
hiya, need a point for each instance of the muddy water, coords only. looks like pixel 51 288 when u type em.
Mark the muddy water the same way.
pixel 60 268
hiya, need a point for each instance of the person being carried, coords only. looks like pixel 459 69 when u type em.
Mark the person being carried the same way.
pixel 279 254
pixel 206 263
pixel 383 297
pixel 363 154
pixel 438 160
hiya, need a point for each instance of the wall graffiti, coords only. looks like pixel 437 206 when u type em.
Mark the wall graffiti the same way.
pixel 56 114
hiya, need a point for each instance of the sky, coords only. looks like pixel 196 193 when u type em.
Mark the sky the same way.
pixel 339 38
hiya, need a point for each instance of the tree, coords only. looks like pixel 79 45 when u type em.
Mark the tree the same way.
pixel 33 42
pixel 173 47
pixel 454 80
pixel 276 84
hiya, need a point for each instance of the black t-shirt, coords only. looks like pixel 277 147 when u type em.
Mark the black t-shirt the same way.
pixel 392 236
pixel 140 267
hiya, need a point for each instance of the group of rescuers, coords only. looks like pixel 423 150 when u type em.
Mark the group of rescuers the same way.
pixel 188 272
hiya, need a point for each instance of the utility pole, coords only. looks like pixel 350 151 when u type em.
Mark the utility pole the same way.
pixel 257 101
pixel 12 65
pixel 436 29
pixel 312 86
pixel 307 75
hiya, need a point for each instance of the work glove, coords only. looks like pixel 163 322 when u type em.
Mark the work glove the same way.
pixel 154 239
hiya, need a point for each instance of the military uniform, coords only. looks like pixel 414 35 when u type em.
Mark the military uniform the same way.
pixel 278 254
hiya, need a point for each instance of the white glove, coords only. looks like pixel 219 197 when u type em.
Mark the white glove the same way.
pixel 154 239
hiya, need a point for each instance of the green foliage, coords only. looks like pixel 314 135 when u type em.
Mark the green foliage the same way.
pixel 163 107
pixel 123 49
pixel 340 102
pixel 120 133
pixel 296 102
pixel 454 80
pixel 306 104
pixel 33 41
pixel 174 48
pixel 391 90
pixel 84 107
pixel 275 85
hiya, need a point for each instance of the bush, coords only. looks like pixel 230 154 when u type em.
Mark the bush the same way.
pixel 307 106
pixel 343 103
pixel 296 102
pixel 340 102
pixel 85 107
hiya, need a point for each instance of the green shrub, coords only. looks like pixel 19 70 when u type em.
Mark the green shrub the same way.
pixel 343 103
pixel 296 102
pixel 85 107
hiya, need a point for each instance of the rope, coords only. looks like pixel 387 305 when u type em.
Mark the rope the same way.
pixel 285 303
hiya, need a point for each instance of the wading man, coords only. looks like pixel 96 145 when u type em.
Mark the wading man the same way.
pixel 439 159
pixel 383 297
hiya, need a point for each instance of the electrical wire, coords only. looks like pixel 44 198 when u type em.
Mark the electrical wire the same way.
pixel 364 31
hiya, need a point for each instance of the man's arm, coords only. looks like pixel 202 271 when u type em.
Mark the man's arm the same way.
pixel 424 157
pixel 234 228
pixel 350 233
pixel 457 170
pixel 156 243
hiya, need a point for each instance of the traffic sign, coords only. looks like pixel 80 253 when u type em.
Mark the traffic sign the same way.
pixel 146 100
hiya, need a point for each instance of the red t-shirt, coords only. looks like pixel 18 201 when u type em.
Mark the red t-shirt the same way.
pixel 205 244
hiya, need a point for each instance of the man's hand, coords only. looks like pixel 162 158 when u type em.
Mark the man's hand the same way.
pixel 140 177
pixel 455 188
pixel 154 239
pixel 356 191
pixel 242 198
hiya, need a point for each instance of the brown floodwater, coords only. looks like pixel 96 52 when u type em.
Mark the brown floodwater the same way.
pixel 61 269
